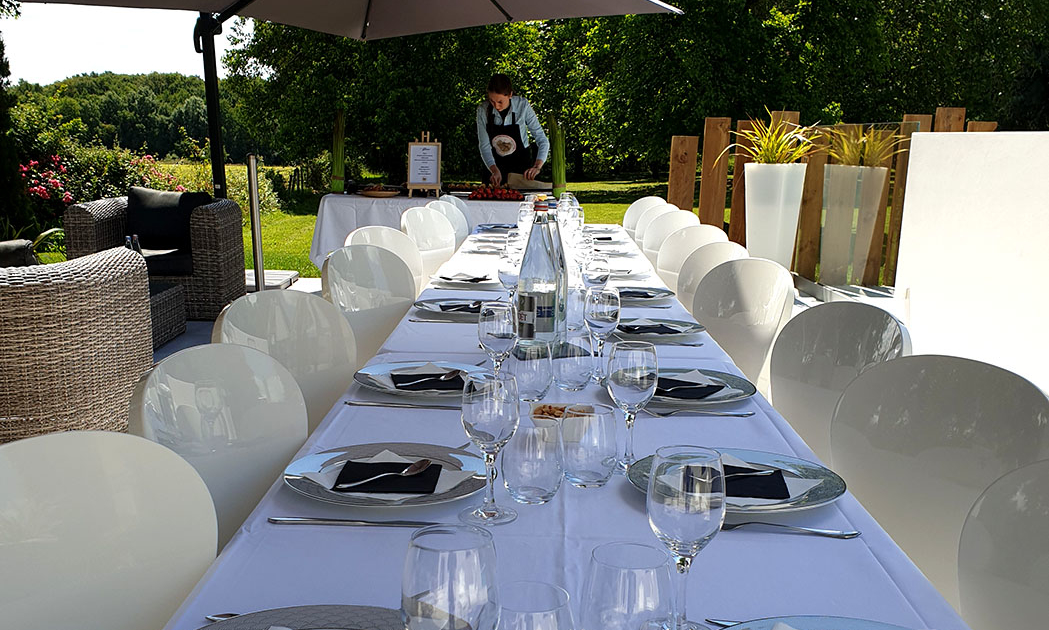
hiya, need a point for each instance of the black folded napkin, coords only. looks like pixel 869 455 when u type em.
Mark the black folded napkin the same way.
pixel 416 382
pixel 602 238
pixel 755 486
pixel 471 307
pixel 473 279
pixel 673 388
pixel 646 329
pixel 635 293
pixel 422 483
pixel 496 226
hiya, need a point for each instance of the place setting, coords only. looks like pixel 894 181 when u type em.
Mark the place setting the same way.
pixel 466 281
pixel 451 310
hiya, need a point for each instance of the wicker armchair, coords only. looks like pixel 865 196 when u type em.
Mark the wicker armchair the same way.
pixel 217 248
pixel 74 339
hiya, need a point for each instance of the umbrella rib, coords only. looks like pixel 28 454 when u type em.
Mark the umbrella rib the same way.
pixel 367 16
pixel 232 10
pixel 502 10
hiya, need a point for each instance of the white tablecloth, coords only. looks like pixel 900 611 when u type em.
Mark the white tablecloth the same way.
pixel 338 215
pixel 742 574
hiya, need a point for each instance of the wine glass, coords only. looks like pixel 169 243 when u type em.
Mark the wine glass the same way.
pixel 588 443
pixel 535 606
pixel 497 330
pixel 596 273
pixel 533 369
pixel 632 375
pixel 509 270
pixel 573 362
pixel 525 215
pixel 601 316
pixel 449 579
pixel 490 417
pixel 686 507
pixel 626 588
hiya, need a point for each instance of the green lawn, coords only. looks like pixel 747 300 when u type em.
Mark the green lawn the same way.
pixel 286 235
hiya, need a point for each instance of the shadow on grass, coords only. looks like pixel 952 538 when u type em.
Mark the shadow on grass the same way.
pixel 300 202
pixel 617 192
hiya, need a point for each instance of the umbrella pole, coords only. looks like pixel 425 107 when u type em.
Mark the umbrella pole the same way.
pixel 204 43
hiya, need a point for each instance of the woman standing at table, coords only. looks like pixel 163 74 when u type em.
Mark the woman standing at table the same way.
pixel 503 123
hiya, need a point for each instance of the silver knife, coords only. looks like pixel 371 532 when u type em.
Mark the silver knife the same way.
pixel 399 405
pixel 439 321
pixel 297 520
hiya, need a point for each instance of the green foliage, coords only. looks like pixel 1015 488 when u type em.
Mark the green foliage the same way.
pixel 776 141
pixel 858 146
pixel 12 190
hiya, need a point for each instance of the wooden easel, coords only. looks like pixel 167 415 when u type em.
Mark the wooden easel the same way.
pixel 424 165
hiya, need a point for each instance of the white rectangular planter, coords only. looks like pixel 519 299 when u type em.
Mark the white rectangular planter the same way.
pixel 773 196
pixel 851 195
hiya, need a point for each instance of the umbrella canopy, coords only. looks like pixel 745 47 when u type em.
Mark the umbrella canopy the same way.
pixel 378 19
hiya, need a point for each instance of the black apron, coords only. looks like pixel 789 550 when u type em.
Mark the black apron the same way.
pixel 511 156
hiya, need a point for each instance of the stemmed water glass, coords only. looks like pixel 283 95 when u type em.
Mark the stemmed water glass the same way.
pixel 509 270
pixel 601 316
pixel 596 272
pixel 497 330
pixel 632 375
pixel 490 417
pixel 686 507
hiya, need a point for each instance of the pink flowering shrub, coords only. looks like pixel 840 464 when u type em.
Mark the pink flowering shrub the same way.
pixel 46 188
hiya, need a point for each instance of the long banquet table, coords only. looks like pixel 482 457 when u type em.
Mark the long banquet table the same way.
pixel 742 574
pixel 338 215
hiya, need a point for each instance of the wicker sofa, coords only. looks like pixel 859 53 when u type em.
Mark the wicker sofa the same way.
pixel 216 248
pixel 74 339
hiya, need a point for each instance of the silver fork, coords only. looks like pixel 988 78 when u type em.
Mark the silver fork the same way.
pixel 829 533
pixel 699 412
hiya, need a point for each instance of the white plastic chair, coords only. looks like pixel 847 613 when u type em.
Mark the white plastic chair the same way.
pixel 819 352
pixel 373 289
pixel 433 235
pixel 919 438
pixel 698 265
pixel 305 333
pixel 1003 557
pixel 455 216
pixel 662 227
pixel 234 413
pixel 638 208
pixel 395 241
pixel 743 303
pixel 459 203
pixel 648 217
pixel 99 529
pixel 677 247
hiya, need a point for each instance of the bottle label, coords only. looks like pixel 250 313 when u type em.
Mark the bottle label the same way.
pixel 535 314
pixel 525 316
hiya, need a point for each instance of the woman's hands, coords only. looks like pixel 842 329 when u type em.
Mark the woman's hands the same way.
pixel 497 177
pixel 533 172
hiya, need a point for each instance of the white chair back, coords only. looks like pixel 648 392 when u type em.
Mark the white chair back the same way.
pixel 433 235
pixel 234 413
pixel 919 438
pixel 305 333
pixel 459 203
pixel 373 289
pixel 743 303
pixel 648 217
pixel 395 241
pixel 662 227
pixel 698 265
pixel 1003 557
pixel 455 216
pixel 679 245
pixel 100 529
pixel 819 352
pixel 638 208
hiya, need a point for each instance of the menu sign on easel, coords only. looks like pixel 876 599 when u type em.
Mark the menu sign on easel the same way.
pixel 424 165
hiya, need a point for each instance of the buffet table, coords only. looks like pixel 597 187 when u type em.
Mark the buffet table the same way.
pixel 742 574
pixel 338 215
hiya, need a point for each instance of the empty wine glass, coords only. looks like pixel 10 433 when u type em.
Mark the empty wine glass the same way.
pixel 509 270
pixel 532 462
pixel 535 606
pixel 573 362
pixel 596 273
pixel 497 330
pixel 532 367
pixel 686 507
pixel 588 439
pixel 490 416
pixel 632 375
pixel 525 216
pixel 601 316
pixel 626 588
pixel 449 579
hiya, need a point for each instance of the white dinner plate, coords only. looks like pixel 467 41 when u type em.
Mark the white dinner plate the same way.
pixel 450 458
pixel 829 488
pixel 484 285
pixel 365 377
pixel 316 617
pixel 737 388
pixel 815 622
pixel 434 305
pixel 648 293
pixel 687 328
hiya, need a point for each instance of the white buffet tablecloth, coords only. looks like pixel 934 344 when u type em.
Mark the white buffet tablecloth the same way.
pixel 338 215
pixel 742 574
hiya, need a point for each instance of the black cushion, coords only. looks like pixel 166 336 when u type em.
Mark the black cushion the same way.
pixel 168 262
pixel 17 253
pixel 160 218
